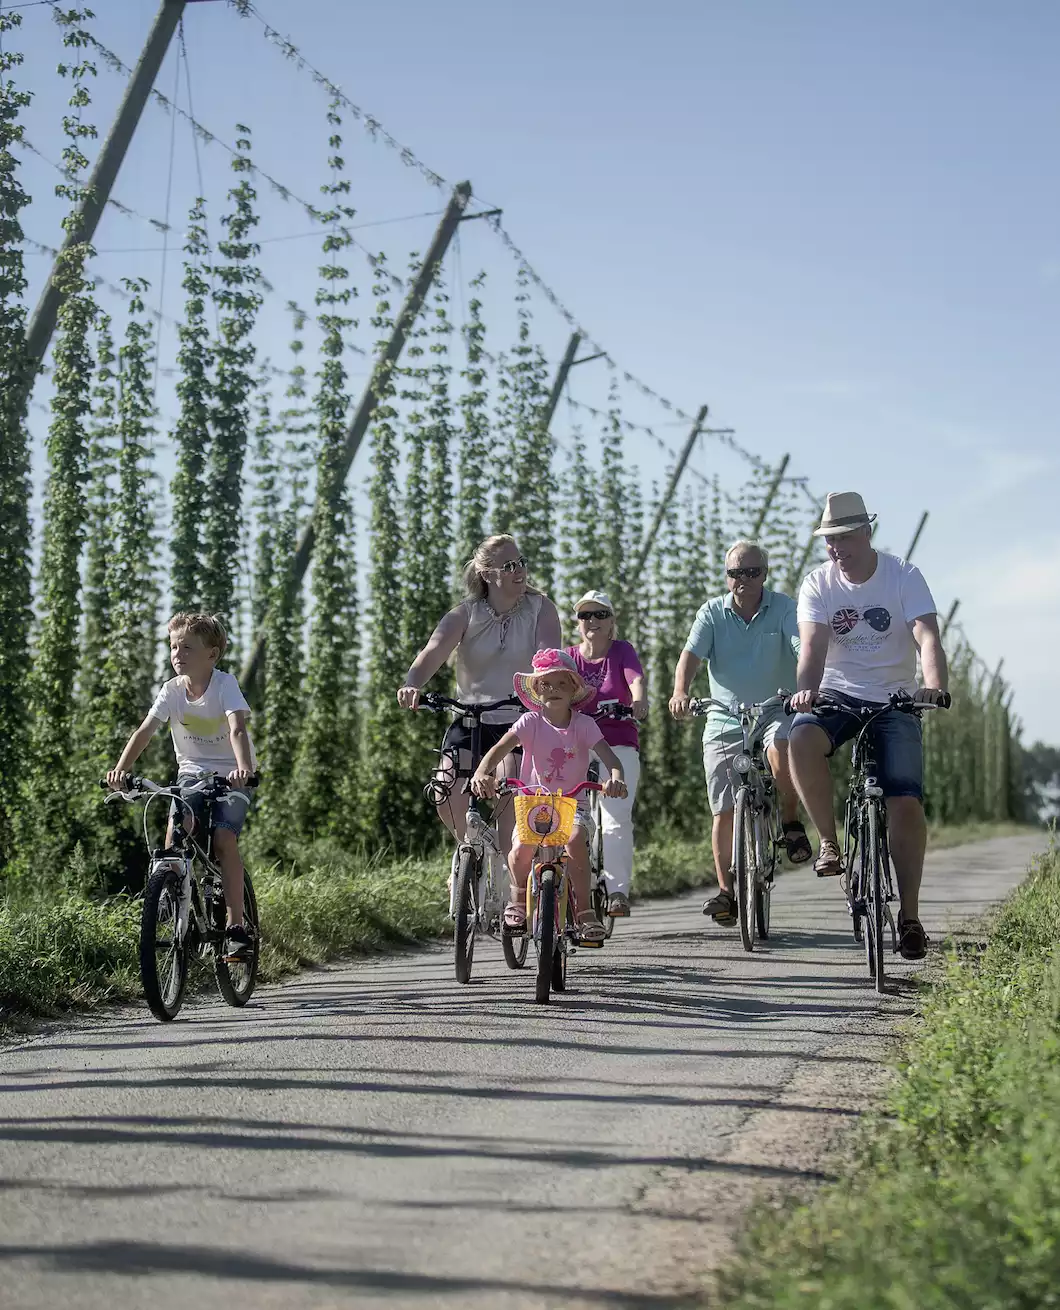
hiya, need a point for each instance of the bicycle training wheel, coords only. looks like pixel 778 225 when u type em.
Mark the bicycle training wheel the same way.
pixel 745 866
pixel 874 896
pixel 163 960
pixel 545 934
pixel 464 934
pixel 236 979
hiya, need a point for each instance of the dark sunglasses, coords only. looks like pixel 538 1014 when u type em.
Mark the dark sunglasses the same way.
pixel 513 565
pixel 593 614
pixel 744 573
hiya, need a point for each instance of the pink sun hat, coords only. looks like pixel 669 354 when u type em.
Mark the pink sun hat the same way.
pixel 544 662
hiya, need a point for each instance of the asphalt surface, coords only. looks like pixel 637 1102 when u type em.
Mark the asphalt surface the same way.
pixel 376 1134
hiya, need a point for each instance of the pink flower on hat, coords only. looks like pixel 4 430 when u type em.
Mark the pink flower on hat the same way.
pixel 545 662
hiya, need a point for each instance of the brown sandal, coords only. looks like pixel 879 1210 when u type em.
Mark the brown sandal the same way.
pixel 829 863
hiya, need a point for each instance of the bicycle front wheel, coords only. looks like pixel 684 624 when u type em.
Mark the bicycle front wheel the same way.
pixel 873 887
pixel 163 958
pixel 545 934
pixel 236 979
pixel 744 866
pixel 464 936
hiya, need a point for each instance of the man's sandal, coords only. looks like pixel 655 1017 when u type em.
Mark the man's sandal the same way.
pixel 722 908
pixel 590 930
pixel 829 863
pixel 796 843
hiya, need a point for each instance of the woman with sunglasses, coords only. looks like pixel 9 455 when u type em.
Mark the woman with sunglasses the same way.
pixel 611 668
pixel 495 632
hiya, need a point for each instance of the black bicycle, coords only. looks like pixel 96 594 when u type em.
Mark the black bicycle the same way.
pixel 869 878
pixel 478 885
pixel 184 906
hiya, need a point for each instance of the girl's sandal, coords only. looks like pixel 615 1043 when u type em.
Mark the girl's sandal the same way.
pixel 514 920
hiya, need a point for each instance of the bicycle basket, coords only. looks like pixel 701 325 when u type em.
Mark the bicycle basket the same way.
pixel 545 819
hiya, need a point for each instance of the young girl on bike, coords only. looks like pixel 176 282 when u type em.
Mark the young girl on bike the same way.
pixel 556 742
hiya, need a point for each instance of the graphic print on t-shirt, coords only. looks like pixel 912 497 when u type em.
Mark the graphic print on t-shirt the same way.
pixel 558 759
pixel 847 620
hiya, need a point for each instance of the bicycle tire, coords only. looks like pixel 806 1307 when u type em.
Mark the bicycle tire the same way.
pixel 162 905
pixel 851 852
pixel 545 934
pixel 514 949
pixel 236 981
pixel 764 889
pixel 743 863
pixel 874 890
pixel 464 932
pixel 559 955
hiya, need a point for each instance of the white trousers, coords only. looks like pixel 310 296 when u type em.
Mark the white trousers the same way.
pixel 616 822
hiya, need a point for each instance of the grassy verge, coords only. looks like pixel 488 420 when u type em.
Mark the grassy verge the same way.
pixel 955 1199
pixel 78 952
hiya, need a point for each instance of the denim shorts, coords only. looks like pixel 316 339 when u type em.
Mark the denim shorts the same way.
pixel 895 738
pixel 229 811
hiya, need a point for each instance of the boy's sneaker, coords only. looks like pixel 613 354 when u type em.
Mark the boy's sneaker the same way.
pixel 238 945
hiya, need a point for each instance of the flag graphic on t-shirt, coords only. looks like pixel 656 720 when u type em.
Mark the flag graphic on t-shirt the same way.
pixel 844 621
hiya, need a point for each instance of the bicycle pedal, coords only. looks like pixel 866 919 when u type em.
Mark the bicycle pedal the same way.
pixel 590 946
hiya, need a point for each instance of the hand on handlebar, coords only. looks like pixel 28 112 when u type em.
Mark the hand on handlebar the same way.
pixel 484 785
pixel 241 777
pixel 616 788
pixel 408 697
pixel 801 702
pixel 931 696
pixel 679 706
pixel 640 710
pixel 118 780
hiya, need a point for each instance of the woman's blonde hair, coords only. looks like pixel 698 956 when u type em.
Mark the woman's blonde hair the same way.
pixel 210 627
pixel 475 587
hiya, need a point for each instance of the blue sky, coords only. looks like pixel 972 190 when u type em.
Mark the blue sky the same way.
pixel 835 223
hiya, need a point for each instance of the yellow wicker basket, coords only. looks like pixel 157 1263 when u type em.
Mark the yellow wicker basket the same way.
pixel 545 819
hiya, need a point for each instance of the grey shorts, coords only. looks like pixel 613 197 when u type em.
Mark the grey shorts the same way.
pixel 229 812
pixel 719 753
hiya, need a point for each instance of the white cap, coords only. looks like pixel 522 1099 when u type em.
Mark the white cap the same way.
pixel 599 598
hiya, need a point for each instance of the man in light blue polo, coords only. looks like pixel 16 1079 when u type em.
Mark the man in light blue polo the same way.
pixel 749 639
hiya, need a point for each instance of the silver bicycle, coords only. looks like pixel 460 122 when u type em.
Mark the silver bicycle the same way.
pixel 757 830
pixel 599 897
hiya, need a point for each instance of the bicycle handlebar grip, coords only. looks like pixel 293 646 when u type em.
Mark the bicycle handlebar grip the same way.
pixel 946 701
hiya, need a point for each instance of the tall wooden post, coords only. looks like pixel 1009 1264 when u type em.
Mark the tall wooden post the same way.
pixel 98 189
pixel 668 495
pixel 560 381
pixel 370 396
pixel 916 535
pixel 950 616
pixel 774 486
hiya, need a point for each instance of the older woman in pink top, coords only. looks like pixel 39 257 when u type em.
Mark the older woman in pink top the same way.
pixel 611 668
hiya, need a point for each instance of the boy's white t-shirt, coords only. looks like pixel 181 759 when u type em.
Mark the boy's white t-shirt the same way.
pixel 871 651
pixel 200 728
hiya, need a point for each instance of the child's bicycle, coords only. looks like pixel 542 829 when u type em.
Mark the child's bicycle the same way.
pixel 599 895
pixel 547 818
pixel 184 907
pixel 479 876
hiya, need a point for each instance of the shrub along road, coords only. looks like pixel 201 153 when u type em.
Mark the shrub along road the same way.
pixel 375 1134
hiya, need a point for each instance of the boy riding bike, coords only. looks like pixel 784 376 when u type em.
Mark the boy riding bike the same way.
pixel 207 714
pixel 556 742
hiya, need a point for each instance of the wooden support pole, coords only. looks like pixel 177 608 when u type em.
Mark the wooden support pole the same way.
pixel 950 616
pixel 559 382
pixel 916 535
pixel 796 573
pixel 774 487
pixel 668 495
pixel 376 384
pixel 98 188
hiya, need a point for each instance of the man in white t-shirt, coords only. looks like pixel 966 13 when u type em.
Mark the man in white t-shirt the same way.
pixel 862 618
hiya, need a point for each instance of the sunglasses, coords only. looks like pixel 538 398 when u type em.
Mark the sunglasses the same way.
pixel 513 565
pixel 586 615
pixel 736 574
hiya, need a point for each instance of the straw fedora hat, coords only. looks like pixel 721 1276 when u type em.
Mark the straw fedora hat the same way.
pixel 844 511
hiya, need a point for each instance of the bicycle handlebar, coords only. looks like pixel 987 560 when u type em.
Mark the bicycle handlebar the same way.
pixel 516 784
pixel 434 701
pixel 898 700
pixel 139 787
pixel 613 709
pixel 700 706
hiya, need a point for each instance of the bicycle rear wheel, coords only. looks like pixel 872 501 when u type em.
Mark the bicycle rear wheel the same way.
pixel 464 934
pixel 744 866
pixel 236 980
pixel 874 896
pixel 545 933
pixel 163 960
pixel 767 853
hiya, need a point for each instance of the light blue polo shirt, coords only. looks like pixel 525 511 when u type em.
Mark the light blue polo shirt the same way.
pixel 746 661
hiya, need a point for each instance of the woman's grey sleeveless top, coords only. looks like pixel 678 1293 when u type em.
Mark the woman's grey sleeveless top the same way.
pixel 496 647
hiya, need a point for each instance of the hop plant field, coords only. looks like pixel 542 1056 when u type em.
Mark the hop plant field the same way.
pixel 459 446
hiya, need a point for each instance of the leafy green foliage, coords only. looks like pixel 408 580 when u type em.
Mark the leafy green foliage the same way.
pixel 472 505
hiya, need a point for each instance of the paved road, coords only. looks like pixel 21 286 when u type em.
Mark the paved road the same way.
pixel 376 1134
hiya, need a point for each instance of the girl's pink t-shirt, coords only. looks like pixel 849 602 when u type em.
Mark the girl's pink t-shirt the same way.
pixel 555 758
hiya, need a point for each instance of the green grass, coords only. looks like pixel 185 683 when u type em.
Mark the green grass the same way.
pixel 955 1198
